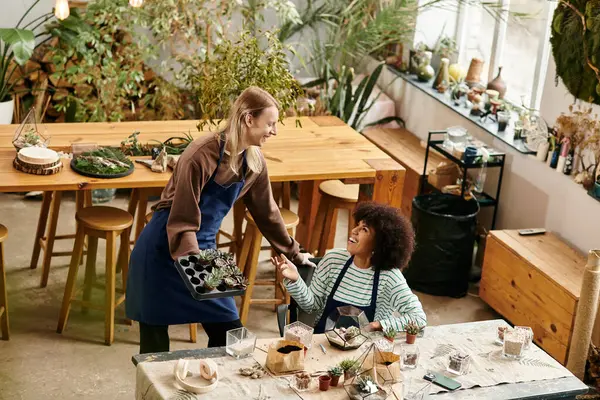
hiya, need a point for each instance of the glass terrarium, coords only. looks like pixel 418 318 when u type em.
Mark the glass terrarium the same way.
pixel 28 134
pixel 240 343
pixel 299 332
pixel 458 363
pixel 514 344
pixel 377 373
pixel 416 389
pixel 409 356
pixel 344 328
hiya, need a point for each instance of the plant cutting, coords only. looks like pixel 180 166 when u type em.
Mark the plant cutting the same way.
pixel 350 367
pixel 103 162
pixel 390 334
pixel 335 372
pixel 412 330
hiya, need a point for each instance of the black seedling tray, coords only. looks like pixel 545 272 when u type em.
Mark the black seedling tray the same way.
pixel 194 274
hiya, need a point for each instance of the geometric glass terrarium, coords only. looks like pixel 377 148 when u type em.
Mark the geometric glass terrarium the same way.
pixel 377 374
pixel 345 326
pixel 28 135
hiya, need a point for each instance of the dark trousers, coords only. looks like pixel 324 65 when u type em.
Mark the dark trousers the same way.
pixel 155 338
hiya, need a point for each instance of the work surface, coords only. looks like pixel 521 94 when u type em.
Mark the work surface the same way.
pixel 322 148
pixel 553 380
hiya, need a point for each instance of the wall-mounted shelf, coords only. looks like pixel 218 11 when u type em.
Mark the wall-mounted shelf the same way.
pixel 490 127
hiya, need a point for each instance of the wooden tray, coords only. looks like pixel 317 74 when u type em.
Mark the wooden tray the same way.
pixel 194 281
pixel 102 176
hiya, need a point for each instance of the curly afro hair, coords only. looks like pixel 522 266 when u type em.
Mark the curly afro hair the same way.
pixel 394 235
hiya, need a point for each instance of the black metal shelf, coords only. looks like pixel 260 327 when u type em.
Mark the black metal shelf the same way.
pixel 484 199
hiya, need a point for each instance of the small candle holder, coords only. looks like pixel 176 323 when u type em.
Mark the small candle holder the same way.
pixel 302 382
pixel 459 363
pixel 410 357
pixel 240 343
pixel 514 344
pixel 500 334
pixel 528 332
pixel 299 332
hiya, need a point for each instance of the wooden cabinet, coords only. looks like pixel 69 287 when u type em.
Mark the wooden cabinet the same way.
pixel 534 281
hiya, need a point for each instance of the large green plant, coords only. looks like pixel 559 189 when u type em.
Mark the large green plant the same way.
pixel 576 47
pixel 347 102
pixel 100 55
pixel 236 65
pixel 16 44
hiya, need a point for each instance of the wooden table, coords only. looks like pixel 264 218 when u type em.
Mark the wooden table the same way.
pixel 561 388
pixel 322 148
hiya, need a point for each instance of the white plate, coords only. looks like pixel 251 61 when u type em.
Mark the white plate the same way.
pixel 38 155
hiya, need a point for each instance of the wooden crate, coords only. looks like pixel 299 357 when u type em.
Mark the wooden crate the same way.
pixel 534 281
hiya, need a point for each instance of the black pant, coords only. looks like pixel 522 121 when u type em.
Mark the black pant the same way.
pixel 155 338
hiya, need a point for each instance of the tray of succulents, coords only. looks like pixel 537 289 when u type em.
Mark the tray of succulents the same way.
pixel 211 274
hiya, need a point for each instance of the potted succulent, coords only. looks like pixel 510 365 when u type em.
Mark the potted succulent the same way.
pixel 335 372
pixel 214 280
pixel 390 334
pixel 412 330
pixel 350 367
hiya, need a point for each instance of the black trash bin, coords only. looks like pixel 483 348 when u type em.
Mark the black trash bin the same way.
pixel 445 227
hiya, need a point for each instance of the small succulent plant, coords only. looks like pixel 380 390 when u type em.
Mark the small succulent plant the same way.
pixel 411 328
pixel 349 364
pixel 351 333
pixel 336 370
pixel 213 280
pixel 390 333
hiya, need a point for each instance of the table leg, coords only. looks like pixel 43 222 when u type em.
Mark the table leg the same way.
pixel 308 206
pixel 389 182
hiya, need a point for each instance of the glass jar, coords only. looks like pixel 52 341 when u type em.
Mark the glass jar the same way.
pixel 240 343
pixel 299 332
pixel 528 332
pixel 514 344
pixel 410 356
pixel 459 363
pixel 500 334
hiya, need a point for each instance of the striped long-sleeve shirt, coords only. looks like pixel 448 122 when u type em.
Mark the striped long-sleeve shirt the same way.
pixel 396 304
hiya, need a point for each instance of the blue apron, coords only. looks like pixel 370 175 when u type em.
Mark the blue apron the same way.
pixel 332 304
pixel 156 294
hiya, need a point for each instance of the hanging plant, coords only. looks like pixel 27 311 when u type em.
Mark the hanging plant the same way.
pixel 576 47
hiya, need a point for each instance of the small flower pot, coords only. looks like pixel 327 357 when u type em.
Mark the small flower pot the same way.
pixel 324 381
pixel 410 339
pixel 335 379
pixel 389 339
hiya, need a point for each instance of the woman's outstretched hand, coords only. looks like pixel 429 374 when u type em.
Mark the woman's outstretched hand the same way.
pixel 286 267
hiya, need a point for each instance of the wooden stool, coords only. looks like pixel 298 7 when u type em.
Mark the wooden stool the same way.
pixel 193 327
pixel 248 263
pixel 99 222
pixel 3 297
pixel 46 232
pixel 334 195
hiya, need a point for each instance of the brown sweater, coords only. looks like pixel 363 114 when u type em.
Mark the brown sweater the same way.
pixel 182 194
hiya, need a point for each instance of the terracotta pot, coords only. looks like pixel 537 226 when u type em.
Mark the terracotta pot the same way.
pixel 410 339
pixel 335 379
pixel 324 381
pixel 389 339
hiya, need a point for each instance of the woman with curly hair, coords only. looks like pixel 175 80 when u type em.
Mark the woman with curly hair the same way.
pixel 367 275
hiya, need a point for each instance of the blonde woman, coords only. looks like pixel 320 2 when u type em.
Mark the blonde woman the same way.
pixel 212 173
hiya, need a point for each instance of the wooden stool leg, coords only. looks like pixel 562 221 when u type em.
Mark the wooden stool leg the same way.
pixel 193 333
pixel 317 234
pixel 87 198
pixel 90 271
pixel 250 273
pixel 246 248
pixel 71 278
pixel 124 250
pixel 109 303
pixel 56 200
pixel 351 222
pixel 133 203
pixel 79 205
pixel 4 326
pixel 141 212
pixel 41 228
